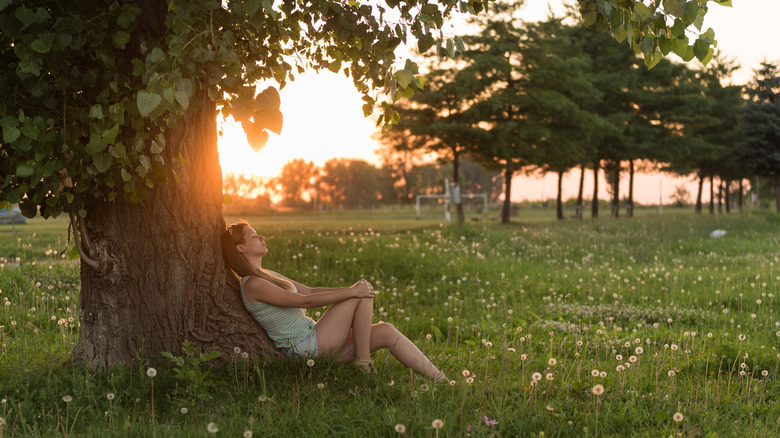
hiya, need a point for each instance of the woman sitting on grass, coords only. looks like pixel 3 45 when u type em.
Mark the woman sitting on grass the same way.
pixel 344 331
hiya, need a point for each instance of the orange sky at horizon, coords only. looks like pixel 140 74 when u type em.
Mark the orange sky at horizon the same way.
pixel 323 118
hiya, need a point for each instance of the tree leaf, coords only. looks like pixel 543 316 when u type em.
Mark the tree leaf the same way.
pixel 183 92
pixel 120 38
pixel 41 45
pixel 642 11
pixel 700 48
pixel 30 131
pixel 23 170
pixel 404 78
pixel 147 102
pixel 10 134
pixel 424 43
pixel 25 15
pixel 102 162
pixel 269 119
pixel 96 112
pixel 255 136
pixel 675 8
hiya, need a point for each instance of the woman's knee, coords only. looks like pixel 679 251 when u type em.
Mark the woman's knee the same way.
pixel 386 332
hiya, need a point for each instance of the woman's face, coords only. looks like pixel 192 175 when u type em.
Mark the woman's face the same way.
pixel 253 244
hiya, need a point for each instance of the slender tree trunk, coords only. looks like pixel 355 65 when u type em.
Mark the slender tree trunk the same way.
pixel 739 196
pixel 594 206
pixel 720 197
pixel 699 193
pixel 559 198
pixel 777 193
pixel 630 203
pixel 161 278
pixel 579 193
pixel 616 191
pixel 507 209
pixel 727 195
pixel 712 194
pixel 456 180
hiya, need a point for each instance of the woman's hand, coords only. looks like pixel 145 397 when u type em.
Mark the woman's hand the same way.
pixel 363 289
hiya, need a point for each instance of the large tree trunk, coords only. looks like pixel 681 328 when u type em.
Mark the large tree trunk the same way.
pixel 456 180
pixel 559 198
pixel 594 207
pixel 161 276
pixel 699 193
pixel 579 193
pixel 630 203
pixel 507 208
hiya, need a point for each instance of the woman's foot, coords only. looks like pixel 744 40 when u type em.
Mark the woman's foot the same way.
pixel 441 378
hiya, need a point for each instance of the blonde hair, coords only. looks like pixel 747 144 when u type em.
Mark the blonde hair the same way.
pixel 234 235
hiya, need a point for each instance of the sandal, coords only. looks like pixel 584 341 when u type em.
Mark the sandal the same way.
pixel 367 366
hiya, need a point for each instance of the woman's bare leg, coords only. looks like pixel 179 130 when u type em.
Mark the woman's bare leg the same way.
pixel 349 317
pixel 384 335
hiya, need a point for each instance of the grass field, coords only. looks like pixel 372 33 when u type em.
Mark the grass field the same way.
pixel 629 327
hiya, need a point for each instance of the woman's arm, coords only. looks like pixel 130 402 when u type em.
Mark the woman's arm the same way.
pixel 257 289
pixel 306 290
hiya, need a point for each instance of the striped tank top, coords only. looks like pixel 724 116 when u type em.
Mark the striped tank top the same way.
pixel 286 326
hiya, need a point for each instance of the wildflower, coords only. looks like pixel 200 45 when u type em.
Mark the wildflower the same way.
pixel 594 373
pixel 67 399
pixel 511 350
pixel 151 372
pixel 552 362
pixel 603 374
pixel 619 357
pixel 632 359
pixel 639 350
pixel 183 410
pixel 488 344
pixel 466 373
pixel 212 428
pixel 674 347
pixel 310 362
pixel 320 385
pixel 452 383
pixel 237 350
pixel 247 433
pixel 262 398
pixel 671 373
pixel 400 428
pixel 523 357
pixel 678 417
pixel 536 376
pixel 391 382
pixel 428 336
pixel 437 424
pixel 424 387
pixel 741 337
pixel 597 389
pixel 245 355
pixel 470 380
pixel 620 368
pixel 110 396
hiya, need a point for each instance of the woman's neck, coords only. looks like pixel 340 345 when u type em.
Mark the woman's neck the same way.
pixel 255 262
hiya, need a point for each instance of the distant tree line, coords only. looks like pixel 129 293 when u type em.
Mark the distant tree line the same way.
pixel 350 184
pixel 557 95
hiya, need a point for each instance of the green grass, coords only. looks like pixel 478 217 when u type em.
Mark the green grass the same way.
pixel 498 301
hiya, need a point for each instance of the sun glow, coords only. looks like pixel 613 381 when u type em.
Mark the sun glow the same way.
pixel 322 119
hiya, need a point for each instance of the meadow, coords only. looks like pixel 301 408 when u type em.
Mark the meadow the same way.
pixel 628 327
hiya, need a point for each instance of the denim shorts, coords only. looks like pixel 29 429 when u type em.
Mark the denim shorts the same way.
pixel 307 347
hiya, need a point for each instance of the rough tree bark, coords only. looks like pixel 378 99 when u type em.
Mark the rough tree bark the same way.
pixel 163 279
pixel 506 209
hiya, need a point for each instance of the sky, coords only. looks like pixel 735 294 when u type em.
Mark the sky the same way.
pixel 323 116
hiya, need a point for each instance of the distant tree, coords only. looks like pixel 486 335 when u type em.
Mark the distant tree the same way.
pixel 349 183
pixel 297 179
pixel 760 123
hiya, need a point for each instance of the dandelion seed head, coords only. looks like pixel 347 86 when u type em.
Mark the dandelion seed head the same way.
pixel 237 350
pixel 597 389
pixel 594 373
pixel 67 399
pixel 552 362
pixel 437 424
pixel 247 433
pixel 151 372
pixel 212 428
pixel 536 376
pixel 678 417
pixel 310 362
pixel 400 428
pixel 320 385
pixel 245 355
pixel 183 410
pixel 110 396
